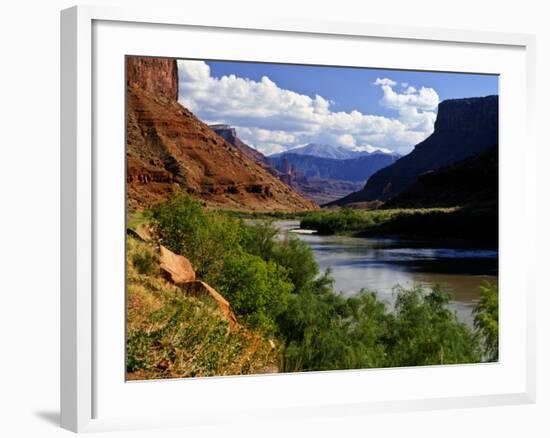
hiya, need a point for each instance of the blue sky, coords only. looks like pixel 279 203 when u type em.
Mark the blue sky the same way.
pixel 277 107
pixel 348 87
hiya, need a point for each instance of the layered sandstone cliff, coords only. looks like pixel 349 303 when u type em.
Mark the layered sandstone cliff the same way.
pixel 167 145
pixel 158 76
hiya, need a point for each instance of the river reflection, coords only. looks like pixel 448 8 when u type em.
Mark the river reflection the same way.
pixel 379 264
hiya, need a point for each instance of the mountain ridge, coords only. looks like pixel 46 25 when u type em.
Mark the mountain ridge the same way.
pixel 464 128
pixel 350 169
pixel 329 151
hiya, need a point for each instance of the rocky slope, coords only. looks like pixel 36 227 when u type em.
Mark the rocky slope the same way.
pixel 464 128
pixel 167 144
pixel 473 181
pixel 230 135
pixel 354 169
pixel 178 326
pixel 327 179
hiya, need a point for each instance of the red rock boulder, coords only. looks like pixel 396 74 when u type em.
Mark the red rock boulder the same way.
pixel 201 289
pixel 176 268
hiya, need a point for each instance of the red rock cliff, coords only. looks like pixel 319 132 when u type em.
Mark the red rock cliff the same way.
pixel 158 76
pixel 167 145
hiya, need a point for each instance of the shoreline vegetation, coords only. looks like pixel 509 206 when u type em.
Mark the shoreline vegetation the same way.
pixel 471 225
pixel 288 316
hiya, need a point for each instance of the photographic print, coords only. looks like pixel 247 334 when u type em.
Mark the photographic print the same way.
pixel 293 218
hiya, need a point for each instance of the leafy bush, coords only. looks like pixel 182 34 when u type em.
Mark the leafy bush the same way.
pixel 259 238
pixel 486 320
pixel 274 286
pixel 205 238
pixel 297 257
pixel 325 331
pixel 423 331
pixel 258 290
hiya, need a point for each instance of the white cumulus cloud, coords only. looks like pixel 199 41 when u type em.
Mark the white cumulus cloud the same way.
pixel 416 108
pixel 273 119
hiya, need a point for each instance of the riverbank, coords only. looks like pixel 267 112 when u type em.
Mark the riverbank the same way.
pixel 379 264
pixel 470 226
pixel 275 289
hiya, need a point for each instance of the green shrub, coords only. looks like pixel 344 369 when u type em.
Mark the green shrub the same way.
pixel 341 221
pixel 423 331
pixel 274 286
pixel 259 238
pixel 326 331
pixel 486 320
pixel 297 257
pixel 206 238
pixel 258 290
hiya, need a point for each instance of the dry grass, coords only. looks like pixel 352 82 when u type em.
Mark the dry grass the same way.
pixel 173 335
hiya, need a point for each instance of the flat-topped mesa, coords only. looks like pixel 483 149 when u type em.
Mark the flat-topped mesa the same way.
pixel 464 128
pixel 158 76
pixel 469 114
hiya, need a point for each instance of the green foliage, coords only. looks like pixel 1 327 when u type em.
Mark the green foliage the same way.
pixel 478 224
pixel 206 238
pixel 343 221
pixel 171 334
pixel 259 238
pixel 486 320
pixel 419 221
pixel 258 290
pixel 186 338
pixel 144 262
pixel 274 285
pixel 423 331
pixel 296 256
pixel 324 331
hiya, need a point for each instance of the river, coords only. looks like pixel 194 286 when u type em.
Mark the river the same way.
pixel 379 264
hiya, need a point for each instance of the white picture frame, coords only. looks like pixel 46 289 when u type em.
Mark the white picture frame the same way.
pixel 87 372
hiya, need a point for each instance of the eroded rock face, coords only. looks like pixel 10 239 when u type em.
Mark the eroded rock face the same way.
pixel 201 289
pixel 177 268
pixel 464 128
pixel 167 145
pixel 229 134
pixel 158 76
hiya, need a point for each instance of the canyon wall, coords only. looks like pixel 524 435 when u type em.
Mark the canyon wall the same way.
pixel 158 76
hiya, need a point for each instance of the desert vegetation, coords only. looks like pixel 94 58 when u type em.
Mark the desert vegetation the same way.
pixel 289 318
